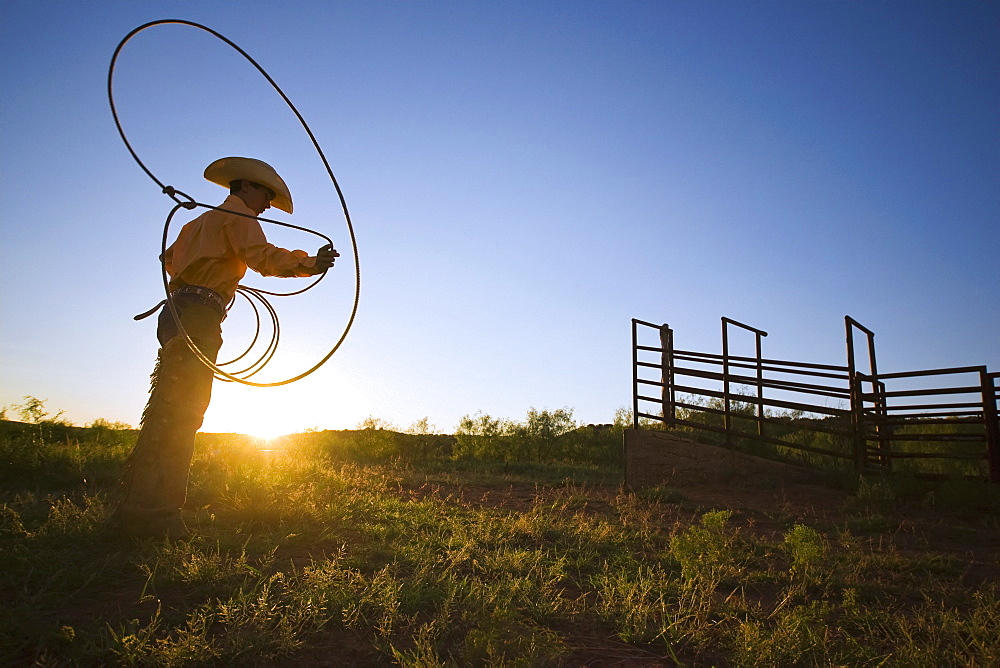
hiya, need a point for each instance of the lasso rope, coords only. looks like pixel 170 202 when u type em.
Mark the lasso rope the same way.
pixel 248 292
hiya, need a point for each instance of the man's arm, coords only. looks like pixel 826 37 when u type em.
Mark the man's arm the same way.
pixel 249 243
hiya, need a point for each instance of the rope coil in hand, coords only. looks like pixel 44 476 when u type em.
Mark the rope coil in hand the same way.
pixel 189 203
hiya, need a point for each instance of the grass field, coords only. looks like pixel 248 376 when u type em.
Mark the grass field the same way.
pixel 336 549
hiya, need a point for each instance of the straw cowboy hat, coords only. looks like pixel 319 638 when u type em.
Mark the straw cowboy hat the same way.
pixel 225 170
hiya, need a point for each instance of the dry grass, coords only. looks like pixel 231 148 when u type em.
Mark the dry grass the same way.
pixel 301 559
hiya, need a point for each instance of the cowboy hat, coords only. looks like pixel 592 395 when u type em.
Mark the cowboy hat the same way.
pixel 225 170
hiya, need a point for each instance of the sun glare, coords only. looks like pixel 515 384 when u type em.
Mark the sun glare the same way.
pixel 268 413
pixel 273 412
pixel 265 427
pixel 250 413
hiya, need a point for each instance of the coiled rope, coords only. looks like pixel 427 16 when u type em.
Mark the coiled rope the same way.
pixel 249 293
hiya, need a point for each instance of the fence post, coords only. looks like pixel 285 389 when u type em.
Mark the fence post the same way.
pixel 635 374
pixel 725 383
pixel 854 386
pixel 990 423
pixel 880 406
pixel 668 410
pixel 760 389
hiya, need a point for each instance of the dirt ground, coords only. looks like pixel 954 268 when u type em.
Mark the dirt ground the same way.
pixel 767 498
pixel 725 478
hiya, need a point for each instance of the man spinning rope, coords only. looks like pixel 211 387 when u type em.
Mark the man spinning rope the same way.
pixel 205 265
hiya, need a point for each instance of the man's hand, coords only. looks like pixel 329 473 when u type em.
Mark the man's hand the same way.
pixel 325 258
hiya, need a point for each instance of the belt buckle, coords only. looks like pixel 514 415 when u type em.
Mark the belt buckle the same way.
pixel 204 294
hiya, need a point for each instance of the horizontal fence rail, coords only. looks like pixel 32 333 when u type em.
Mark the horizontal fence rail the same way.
pixel 929 422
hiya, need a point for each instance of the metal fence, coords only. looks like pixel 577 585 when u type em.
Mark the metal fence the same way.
pixel 933 422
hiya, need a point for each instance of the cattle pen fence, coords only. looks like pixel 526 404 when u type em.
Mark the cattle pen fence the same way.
pixel 933 423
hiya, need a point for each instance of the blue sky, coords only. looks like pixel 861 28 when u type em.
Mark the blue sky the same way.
pixel 524 177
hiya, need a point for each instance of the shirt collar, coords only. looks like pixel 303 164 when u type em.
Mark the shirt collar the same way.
pixel 234 203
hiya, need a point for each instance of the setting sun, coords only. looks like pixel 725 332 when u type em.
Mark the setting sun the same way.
pixel 257 413
pixel 272 412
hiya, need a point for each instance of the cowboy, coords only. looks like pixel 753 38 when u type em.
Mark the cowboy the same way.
pixel 205 265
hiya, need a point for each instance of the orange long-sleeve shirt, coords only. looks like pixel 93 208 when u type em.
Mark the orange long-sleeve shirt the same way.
pixel 215 249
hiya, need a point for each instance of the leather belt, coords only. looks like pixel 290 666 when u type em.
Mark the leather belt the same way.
pixel 195 293
pixel 204 295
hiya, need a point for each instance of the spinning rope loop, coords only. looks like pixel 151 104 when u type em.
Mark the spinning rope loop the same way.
pixel 250 294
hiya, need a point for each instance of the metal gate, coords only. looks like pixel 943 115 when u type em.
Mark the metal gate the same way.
pixel 931 422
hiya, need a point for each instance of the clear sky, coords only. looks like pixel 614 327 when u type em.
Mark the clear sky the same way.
pixel 524 177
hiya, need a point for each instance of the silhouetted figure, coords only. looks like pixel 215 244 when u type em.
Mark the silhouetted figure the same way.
pixel 205 265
